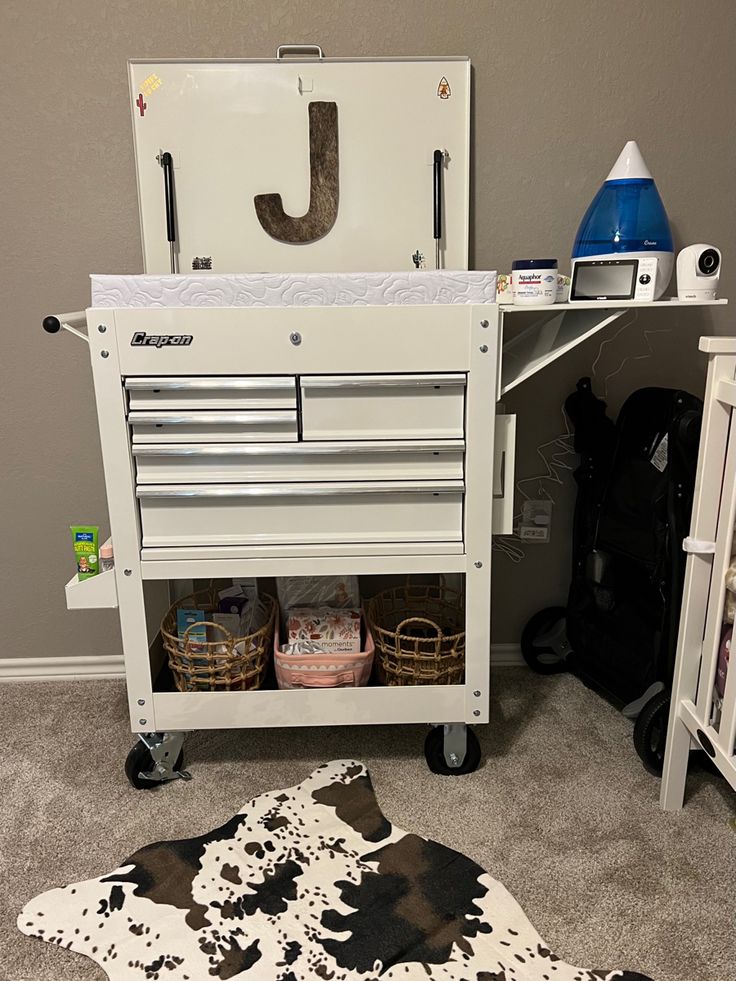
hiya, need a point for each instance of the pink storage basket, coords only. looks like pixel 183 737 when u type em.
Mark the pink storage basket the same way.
pixel 323 670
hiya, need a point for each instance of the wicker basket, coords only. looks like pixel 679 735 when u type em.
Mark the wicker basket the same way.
pixel 419 632
pixel 227 664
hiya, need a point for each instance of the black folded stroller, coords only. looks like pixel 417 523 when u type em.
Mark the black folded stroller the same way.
pixel 635 481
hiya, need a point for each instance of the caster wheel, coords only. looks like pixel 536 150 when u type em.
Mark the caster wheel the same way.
pixel 650 732
pixel 544 641
pixel 140 759
pixel 434 751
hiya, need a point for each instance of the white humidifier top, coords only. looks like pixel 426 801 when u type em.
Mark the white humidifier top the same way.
pixel 630 165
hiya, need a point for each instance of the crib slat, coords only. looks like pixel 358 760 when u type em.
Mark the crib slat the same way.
pixel 727 730
pixel 717 598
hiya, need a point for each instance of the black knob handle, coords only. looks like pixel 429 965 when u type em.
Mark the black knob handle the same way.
pixel 51 325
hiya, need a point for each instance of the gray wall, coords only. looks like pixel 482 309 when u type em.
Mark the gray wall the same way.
pixel 558 88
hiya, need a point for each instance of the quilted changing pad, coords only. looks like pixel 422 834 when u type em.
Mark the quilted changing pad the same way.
pixel 294 289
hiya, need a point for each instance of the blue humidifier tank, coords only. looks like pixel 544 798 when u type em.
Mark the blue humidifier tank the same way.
pixel 626 219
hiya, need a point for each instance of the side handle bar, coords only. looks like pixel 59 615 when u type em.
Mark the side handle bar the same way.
pixel 66 321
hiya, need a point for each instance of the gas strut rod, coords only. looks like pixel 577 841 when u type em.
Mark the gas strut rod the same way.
pixel 439 158
pixel 168 166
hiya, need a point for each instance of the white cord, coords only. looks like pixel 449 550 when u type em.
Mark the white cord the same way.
pixel 635 357
pixel 610 340
pixel 556 464
pixel 507 545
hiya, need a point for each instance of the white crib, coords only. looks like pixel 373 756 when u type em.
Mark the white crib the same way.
pixel 692 716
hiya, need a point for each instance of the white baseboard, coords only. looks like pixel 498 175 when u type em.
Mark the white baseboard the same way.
pixel 61 668
pixel 111 666
pixel 506 656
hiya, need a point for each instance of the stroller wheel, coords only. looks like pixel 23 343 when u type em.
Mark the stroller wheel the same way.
pixel 544 641
pixel 650 732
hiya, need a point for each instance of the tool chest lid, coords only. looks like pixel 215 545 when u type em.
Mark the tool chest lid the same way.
pixel 309 164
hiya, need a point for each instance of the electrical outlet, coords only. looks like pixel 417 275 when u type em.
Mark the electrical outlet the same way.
pixel 536 521
pixel 529 534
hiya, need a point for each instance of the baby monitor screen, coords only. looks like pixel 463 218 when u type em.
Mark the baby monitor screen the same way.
pixel 611 282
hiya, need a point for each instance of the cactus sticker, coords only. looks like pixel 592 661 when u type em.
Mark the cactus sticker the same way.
pixel 443 89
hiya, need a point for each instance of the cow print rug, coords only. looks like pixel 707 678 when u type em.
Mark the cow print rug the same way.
pixel 312 882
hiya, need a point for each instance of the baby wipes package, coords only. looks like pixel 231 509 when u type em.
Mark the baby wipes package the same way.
pixel 329 630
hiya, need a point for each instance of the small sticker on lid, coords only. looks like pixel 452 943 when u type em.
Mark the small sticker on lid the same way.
pixel 443 89
pixel 150 84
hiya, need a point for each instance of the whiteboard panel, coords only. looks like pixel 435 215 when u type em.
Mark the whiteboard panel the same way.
pixel 240 128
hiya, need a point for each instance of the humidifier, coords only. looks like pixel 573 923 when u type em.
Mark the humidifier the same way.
pixel 622 232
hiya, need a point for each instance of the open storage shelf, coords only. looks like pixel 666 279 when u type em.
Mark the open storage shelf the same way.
pixel 270 706
pixel 560 327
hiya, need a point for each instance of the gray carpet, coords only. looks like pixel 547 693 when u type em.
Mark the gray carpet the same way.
pixel 561 812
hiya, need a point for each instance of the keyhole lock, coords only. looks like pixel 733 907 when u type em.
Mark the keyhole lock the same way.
pixel 295 338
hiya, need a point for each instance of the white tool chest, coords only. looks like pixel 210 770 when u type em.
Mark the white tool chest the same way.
pixel 266 410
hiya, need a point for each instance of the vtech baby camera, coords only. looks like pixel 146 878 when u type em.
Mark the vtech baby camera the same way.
pixel 698 272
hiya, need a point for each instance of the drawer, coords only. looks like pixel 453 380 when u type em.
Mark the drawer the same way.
pixel 265 462
pixel 212 393
pixel 212 427
pixel 301 514
pixel 383 406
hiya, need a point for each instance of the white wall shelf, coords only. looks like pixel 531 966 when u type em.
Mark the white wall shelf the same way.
pixel 559 327
pixel 606 305
pixel 97 593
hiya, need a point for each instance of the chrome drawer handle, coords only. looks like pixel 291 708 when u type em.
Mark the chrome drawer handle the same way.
pixel 299 449
pixel 209 384
pixel 301 490
pixel 211 418
pixel 391 381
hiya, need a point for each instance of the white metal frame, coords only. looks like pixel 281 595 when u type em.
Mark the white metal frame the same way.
pixel 710 544
pixel 255 341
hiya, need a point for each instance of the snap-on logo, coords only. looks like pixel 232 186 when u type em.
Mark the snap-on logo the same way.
pixel 142 339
